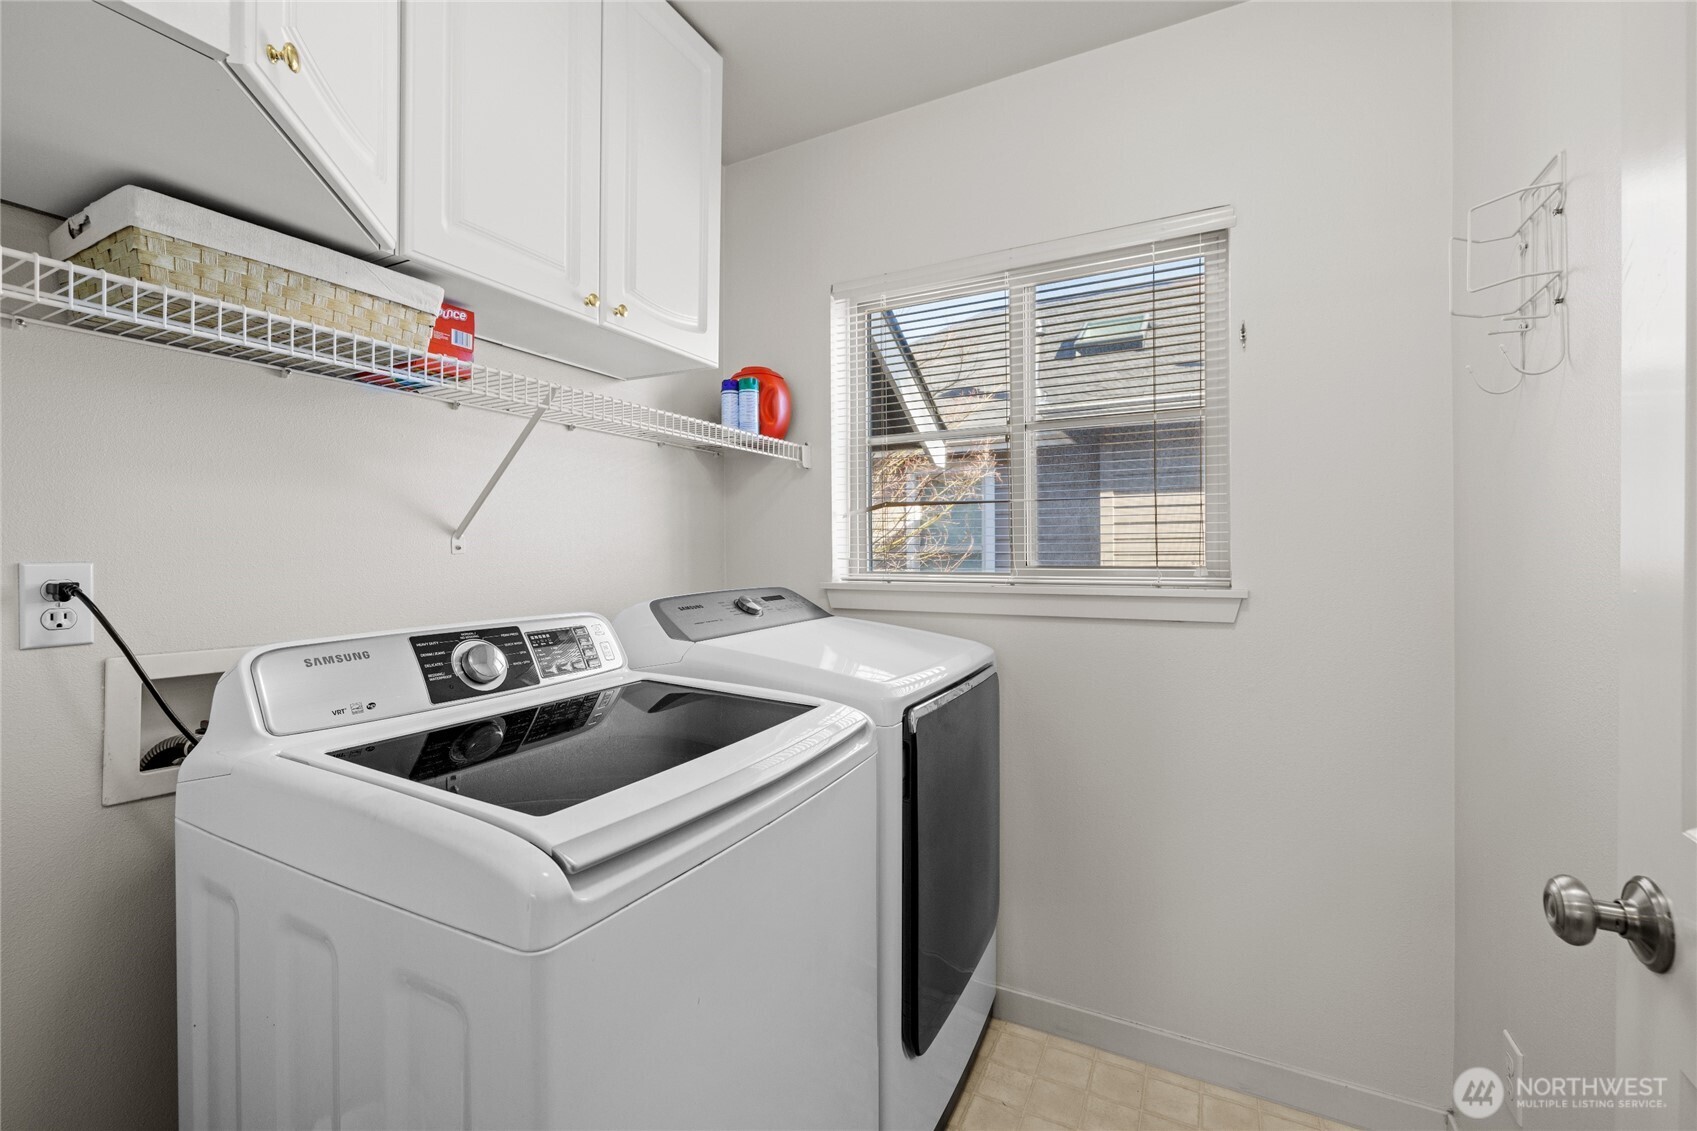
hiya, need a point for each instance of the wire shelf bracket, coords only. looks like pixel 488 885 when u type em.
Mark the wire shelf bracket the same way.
pixel 456 540
pixel 1539 273
pixel 35 289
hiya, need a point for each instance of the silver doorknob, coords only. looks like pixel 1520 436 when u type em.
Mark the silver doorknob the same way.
pixel 1641 915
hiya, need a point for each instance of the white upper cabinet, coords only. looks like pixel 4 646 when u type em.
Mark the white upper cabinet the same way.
pixel 562 177
pixel 503 148
pixel 662 91
pixel 329 73
pixel 554 166
pixel 199 24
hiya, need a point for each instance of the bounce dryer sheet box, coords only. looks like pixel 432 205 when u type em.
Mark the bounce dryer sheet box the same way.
pixel 453 340
pixel 455 337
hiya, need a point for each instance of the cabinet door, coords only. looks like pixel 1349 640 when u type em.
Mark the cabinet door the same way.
pixel 342 107
pixel 503 160
pixel 199 24
pixel 662 92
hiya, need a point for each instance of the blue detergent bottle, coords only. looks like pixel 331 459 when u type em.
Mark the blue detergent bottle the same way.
pixel 728 411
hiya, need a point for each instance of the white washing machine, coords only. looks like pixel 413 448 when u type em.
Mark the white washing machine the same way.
pixel 934 700
pixel 487 876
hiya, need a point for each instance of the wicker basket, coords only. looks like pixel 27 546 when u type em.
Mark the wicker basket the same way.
pixel 169 261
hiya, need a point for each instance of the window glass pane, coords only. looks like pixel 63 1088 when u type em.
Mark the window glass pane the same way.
pixel 939 365
pixel 1128 340
pixel 1100 380
pixel 940 508
pixel 1127 496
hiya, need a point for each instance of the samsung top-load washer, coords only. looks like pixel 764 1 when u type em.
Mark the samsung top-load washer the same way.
pixel 487 876
pixel 934 700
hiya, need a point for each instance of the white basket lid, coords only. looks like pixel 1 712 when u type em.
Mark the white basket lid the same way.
pixel 132 206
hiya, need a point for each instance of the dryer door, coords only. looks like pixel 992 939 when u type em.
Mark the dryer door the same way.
pixel 951 849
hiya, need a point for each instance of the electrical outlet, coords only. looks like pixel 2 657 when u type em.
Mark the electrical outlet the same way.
pixel 1514 1068
pixel 52 624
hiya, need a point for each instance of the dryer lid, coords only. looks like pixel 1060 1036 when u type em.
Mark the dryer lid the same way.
pixel 881 669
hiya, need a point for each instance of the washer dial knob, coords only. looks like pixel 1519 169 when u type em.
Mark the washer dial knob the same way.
pixel 749 605
pixel 480 663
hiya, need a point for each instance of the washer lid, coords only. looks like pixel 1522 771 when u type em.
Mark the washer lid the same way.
pixel 591 776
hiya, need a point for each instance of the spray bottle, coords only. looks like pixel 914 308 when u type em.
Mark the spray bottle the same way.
pixel 748 405
pixel 729 413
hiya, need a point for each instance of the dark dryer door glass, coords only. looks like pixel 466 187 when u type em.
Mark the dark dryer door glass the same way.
pixel 951 849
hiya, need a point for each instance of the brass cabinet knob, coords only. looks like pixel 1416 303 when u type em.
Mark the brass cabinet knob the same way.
pixel 592 299
pixel 290 54
pixel 620 310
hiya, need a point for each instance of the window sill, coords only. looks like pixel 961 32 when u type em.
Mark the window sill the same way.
pixel 1038 599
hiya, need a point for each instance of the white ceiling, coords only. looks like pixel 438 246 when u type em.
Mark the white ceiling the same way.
pixel 795 69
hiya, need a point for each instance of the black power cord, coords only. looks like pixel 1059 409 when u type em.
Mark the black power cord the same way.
pixel 62 591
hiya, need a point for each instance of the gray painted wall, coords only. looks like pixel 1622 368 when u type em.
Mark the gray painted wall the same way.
pixel 225 507
pixel 1238 834
pixel 1537 475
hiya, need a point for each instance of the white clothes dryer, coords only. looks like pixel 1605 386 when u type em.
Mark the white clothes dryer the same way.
pixel 935 702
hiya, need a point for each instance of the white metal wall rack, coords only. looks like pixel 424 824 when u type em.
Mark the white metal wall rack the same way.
pixel 36 289
pixel 1531 258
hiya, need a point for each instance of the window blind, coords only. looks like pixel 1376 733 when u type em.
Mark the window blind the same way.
pixel 1064 421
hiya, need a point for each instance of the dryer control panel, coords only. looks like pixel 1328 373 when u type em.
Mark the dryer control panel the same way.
pixel 304 687
pixel 708 616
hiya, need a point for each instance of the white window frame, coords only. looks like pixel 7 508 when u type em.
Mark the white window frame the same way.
pixel 1028 590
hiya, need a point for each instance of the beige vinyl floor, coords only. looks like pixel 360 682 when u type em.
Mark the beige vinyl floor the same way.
pixel 1023 1079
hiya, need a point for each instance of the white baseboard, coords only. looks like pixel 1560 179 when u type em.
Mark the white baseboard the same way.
pixel 1334 1099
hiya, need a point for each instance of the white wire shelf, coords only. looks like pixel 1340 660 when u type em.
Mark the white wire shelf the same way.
pixel 34 288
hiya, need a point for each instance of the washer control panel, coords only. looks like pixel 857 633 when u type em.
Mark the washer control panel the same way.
pixel 573 648
pixel 708 616
pixel 304 687
pixel 474 661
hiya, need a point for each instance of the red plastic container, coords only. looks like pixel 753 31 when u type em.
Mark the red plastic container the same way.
pixel 774 400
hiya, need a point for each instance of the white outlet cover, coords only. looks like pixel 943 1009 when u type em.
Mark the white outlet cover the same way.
pixel 32 633
pixel 1515 1063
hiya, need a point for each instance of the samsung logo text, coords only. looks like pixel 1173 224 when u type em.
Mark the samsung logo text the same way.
pixel 335 658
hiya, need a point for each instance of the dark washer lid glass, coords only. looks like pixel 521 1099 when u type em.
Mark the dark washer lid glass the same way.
pixel 543 759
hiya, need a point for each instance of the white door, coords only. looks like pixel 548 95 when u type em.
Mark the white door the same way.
pixel 662 106
pixel 1656 1014
pixel 1656 803
pixel 329 74
pixel 503 145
